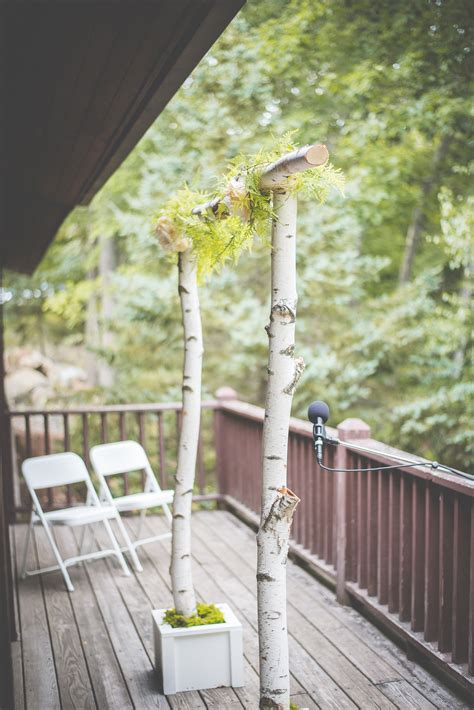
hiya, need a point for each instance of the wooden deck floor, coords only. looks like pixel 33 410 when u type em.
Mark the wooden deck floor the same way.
pixel 93 648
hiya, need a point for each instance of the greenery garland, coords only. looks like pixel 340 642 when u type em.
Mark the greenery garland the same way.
pixel 243 210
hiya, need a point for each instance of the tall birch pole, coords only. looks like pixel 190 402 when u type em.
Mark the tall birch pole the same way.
pixel 284 370
pixel 278 503
pixel 180 568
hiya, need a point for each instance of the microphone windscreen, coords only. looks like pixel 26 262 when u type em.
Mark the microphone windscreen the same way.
pixel 317 410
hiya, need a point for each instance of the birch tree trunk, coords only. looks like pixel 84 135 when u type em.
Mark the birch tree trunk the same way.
pixel 278 503
pixel 91 334
pixel 180 568
pixel 107 266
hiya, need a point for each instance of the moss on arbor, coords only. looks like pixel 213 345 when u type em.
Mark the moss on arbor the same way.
pixel 206 614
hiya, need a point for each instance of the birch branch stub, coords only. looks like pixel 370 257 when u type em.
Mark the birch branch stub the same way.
pixel 272 540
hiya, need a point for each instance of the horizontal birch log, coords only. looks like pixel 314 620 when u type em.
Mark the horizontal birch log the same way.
pixel 309 156
pixel 273 177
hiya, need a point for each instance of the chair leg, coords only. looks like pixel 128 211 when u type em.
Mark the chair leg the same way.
pixel 140 524
pixel 118 552
pixel 59 559
pixel 82 539
pixel 25 549
pixel 129 544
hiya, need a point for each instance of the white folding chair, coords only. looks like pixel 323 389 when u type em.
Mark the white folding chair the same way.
pixel 126 457
pixel 62 470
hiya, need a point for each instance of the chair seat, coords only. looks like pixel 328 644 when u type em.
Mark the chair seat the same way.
pixel 139 501
pixel 79 515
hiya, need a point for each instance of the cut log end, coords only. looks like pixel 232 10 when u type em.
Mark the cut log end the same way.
pixel 287 492
pixel 317 154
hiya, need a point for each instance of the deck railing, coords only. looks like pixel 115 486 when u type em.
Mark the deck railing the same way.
pixel 155 426
pixel 397 544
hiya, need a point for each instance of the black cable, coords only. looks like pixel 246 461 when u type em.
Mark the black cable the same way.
pixel 433 466
pixel 318 414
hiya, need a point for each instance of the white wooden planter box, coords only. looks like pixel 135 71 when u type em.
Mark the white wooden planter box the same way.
pixel 199 657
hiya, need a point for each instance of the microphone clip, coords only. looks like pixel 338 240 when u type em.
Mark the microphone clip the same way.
pixel 320 437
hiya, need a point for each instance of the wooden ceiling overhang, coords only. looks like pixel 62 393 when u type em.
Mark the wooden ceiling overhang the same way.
pixel 84 81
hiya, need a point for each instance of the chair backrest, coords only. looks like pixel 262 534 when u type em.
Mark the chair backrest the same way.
pixel 54 470
pixel 121 457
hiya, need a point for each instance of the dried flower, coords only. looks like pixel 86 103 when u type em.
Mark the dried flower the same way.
pixel 237 199
pixel 169 236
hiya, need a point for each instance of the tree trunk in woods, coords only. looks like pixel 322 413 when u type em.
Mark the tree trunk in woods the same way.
pixel 107 266
pixel 465 297
pixel 180 569
pixel 278 503
pixel 91 335
pixel 415 228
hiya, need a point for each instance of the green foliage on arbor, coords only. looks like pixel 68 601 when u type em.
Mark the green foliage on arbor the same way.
pixel 238 211
pixel 386 86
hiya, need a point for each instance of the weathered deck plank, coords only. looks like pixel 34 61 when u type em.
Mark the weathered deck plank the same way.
pixel 18 688
pixel 17 661
pixel 39 672
pixel 155 583
pixel 110 688
pixel 75 687
pixel 99 638
pixel 322 691
pixel 135 664
pixel 345 677
pixel 219 697
pixel 404 695
pixel 139 606
pixel 359 627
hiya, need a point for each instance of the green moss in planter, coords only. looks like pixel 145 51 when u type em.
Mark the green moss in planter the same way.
pixel 206 614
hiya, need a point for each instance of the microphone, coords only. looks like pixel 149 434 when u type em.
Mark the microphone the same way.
pixel 318 414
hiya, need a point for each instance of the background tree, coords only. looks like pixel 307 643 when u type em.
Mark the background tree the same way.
pixel 384 85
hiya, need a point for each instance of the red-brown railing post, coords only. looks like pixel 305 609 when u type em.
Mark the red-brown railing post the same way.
pixel 223 394
pixel 348 430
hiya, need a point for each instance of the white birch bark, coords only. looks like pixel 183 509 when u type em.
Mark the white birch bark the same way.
pixel 278 503
pixel 180 568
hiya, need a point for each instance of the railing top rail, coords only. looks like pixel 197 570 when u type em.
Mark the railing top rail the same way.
pixel 108 409
pixel 257 414
pixel 381 452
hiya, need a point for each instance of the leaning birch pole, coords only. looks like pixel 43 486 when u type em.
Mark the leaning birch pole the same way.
pixel 180 567
pixel 284 370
